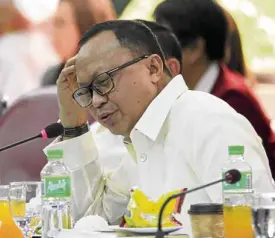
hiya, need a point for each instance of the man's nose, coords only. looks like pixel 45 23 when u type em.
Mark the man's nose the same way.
pixel 98 100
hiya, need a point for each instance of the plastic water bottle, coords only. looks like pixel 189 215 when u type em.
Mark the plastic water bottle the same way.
pixel 55 194
pixel 237 198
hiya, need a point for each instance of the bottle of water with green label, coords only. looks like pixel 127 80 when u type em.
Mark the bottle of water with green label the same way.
pixel 55 194
pixel 237 198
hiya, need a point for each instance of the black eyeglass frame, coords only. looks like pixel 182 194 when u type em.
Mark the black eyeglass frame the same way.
pixel 91 87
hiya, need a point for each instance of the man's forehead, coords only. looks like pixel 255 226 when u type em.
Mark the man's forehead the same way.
pixel 98 54
pixel 98 47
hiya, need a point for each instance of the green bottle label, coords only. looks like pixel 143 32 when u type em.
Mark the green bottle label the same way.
pixel 56 187
pixel 244 183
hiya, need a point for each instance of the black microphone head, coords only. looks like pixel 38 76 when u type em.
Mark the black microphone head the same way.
pixel 52 131
pixel 233 176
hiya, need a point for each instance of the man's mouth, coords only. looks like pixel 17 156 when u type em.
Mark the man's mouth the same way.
pixel 104 117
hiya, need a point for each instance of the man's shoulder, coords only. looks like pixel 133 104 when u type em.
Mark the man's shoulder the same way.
pixel 199 112
pixel 200 102
pixel 195 109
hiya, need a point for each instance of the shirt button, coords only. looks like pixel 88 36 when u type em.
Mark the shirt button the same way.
pixel 143 157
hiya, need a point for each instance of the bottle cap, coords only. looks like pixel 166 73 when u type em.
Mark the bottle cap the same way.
pixel 236 150
pixel 55 154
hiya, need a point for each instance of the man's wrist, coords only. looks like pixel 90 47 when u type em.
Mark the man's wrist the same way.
pixel 71 132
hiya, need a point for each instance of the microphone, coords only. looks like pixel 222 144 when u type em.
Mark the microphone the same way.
pixel 51 131
pixel 232 176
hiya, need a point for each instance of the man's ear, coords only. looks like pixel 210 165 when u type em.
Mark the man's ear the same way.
pixel 174 66
pixel 156 67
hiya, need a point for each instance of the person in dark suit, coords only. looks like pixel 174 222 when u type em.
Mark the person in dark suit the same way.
pixel 71 20
pixel 202 29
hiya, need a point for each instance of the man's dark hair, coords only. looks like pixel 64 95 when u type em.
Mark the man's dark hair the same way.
pixel 192 19
pixel 135 36
pixel 167 39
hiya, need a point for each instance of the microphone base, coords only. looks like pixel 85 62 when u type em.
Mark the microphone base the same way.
pixel 160 234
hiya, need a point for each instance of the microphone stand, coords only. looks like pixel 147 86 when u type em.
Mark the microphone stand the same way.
pixel 20 142
pixel 51 131
pixel 160 233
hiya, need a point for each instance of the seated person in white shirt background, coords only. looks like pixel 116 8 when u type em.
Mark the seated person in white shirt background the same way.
pixel 179 138
pixel 25 51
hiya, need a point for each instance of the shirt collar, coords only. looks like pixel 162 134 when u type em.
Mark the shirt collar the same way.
pixel 155 115
pixel 208 79
pixel 100 129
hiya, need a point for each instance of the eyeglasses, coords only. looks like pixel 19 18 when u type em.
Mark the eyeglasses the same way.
pixel 102 84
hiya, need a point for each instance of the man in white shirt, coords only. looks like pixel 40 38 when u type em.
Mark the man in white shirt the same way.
pixel 110 146
pixel 176 138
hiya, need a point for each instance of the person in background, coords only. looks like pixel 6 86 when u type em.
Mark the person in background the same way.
pixel 71 20
pixel 234 56
pixel 170 45
pixel 25 49
pixel 10 18
pixel 203 41
pixel 178 138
